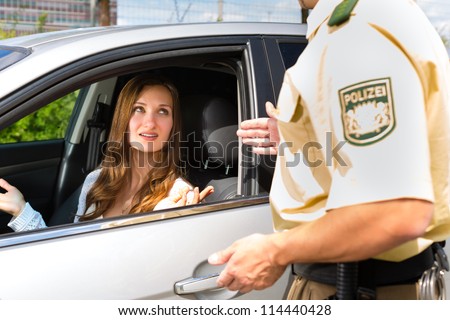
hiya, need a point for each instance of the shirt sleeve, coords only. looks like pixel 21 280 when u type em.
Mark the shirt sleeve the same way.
pixel 378 110
pixel 28 219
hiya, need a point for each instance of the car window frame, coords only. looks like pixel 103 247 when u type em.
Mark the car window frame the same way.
pixel 274 54
pixel 118 63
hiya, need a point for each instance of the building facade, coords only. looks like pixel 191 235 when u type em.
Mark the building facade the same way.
pixel 31 16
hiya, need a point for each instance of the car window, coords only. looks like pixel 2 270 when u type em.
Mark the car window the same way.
pixel 210 149
pixel 290 52
pixel 47 123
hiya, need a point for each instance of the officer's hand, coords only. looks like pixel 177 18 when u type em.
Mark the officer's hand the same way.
pixel 250 264
pixel 261 133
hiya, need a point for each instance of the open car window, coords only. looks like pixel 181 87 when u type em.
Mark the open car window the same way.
pixel 213 93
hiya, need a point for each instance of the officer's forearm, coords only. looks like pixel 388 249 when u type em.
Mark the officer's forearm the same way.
pixel 354 233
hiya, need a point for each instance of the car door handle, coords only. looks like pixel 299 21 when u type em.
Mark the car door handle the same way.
pixel 197 284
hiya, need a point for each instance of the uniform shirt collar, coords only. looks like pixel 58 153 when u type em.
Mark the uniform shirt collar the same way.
pixel 319 14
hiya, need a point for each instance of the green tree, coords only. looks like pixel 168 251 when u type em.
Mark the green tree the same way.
pixel 5 34
pixel 49 122
pixel 42 21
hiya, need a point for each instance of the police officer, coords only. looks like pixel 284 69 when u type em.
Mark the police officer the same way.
pixel 366 108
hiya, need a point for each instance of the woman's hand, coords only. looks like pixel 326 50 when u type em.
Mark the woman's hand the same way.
pixel 198 196
pixel 185 197
pixel 12 200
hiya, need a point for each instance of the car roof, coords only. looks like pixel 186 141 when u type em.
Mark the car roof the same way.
pixel 51 50
pixel 145 33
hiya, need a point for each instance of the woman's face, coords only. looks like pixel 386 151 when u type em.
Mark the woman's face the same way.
pixel 151 119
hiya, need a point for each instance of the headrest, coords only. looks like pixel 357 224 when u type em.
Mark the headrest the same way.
pixel 219 126
pixel 215 120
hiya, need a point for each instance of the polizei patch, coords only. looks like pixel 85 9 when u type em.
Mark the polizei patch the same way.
pixel 367 111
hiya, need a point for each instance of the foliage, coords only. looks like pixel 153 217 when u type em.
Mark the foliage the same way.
pixel 47 123
pixel 4 34
pixel 41 22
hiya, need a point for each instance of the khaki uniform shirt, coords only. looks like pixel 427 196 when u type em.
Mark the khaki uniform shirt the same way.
pixel 364 117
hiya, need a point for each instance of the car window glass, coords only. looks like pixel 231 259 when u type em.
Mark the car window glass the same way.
pixel 11 55
pixel 47 123
pixel 290 52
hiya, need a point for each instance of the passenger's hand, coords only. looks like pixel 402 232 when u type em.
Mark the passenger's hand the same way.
pixel 12 200
pixel 250 264
pixel 261 133
pixel 185 197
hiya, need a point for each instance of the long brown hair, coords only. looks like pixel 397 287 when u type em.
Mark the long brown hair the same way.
pixel 116 165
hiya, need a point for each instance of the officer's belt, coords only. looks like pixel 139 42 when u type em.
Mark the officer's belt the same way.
pixel 372 272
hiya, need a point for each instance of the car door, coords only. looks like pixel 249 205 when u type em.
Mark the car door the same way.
pixel 134 258
pixel 157 255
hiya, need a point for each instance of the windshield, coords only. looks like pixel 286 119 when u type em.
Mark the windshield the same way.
pixel 10 55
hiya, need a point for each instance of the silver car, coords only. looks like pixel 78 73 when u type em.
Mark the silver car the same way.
pixel 57 94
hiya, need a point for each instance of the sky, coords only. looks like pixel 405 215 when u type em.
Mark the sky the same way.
pixel 173 11
pixel 438 11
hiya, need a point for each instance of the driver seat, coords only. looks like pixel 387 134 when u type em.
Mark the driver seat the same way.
pixel 212 121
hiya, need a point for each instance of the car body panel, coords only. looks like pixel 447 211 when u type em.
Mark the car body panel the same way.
pixel 125 262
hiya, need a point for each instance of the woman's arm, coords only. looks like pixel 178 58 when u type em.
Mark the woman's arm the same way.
pixel 24 216
pixel 28 219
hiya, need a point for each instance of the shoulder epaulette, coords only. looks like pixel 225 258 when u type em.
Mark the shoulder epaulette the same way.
pixel 342 12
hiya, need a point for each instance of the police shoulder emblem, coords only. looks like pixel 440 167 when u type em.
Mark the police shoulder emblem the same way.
pixel 367 111
pixel 342 12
